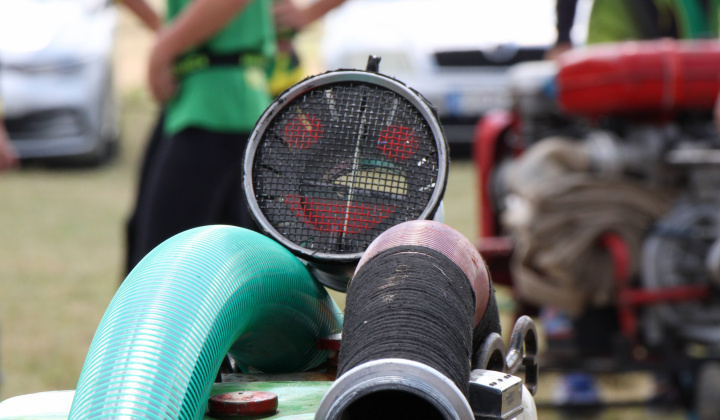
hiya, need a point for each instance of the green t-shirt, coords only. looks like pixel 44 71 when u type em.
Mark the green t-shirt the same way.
pixel 226 98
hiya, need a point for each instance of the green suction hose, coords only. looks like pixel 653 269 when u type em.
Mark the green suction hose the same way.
pixel 199 295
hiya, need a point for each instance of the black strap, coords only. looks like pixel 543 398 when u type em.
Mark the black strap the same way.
pixel 201 60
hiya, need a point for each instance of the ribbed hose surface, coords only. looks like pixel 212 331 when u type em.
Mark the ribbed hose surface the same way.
pixel 162 339
pixel 412 303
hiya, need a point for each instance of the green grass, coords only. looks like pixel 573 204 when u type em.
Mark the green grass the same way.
pixel 61 248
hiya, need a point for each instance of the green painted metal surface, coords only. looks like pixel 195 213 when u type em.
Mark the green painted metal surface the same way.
pixel 296 400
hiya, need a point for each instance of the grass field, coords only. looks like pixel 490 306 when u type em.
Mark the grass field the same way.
pixel 60 255
pixel 61 247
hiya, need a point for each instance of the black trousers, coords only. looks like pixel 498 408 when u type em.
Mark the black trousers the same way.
pixel 147 160
pixel 191 179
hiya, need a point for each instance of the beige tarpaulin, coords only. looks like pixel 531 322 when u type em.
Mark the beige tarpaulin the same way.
pixel 558 209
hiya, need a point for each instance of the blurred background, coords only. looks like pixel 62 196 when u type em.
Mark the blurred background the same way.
pixel 81 121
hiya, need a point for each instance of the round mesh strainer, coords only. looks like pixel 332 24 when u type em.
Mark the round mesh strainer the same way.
pixel 341 157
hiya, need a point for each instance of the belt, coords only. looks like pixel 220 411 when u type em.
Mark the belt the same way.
pixel 201 60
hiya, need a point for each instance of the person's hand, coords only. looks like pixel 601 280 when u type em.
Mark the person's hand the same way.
pixel 161 78
pixel 288 15
pixel 8 156
pixel 558 49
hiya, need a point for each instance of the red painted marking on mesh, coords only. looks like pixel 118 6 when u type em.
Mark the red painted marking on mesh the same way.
pixel 397 142
pixel 336 216
pixel 302 131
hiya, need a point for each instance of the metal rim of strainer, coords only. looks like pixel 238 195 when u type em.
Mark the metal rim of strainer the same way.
pixel 311 83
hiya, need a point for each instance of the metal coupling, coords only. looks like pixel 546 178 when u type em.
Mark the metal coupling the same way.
pixel 390 379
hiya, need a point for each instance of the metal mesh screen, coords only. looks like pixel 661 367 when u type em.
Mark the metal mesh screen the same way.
pixel 342 163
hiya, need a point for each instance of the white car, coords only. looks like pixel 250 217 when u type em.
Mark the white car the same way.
pixel 454 52
pixel 56 78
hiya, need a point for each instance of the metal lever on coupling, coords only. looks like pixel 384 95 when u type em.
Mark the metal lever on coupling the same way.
pixel 523 350
pixel 491 355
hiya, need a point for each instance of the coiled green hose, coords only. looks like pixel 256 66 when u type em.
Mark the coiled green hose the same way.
pixel 195 297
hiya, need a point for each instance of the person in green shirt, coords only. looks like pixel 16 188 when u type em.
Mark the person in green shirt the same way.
pixel 194 176
pixel 621 20
pixel 208 70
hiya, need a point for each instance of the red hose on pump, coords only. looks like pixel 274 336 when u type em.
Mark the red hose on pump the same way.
pixel 639 78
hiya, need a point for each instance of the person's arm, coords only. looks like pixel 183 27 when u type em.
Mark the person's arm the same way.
pixel 565 11
pixel 8 156
pixel 196 24
pixel 716 113
pixel 145 13
pixel 288 15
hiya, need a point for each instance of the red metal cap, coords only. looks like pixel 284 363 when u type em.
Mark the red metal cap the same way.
pixel 243 403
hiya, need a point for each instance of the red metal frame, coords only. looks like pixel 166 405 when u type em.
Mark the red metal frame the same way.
pixel 629 298
pixel 496 251
pixel 488 132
